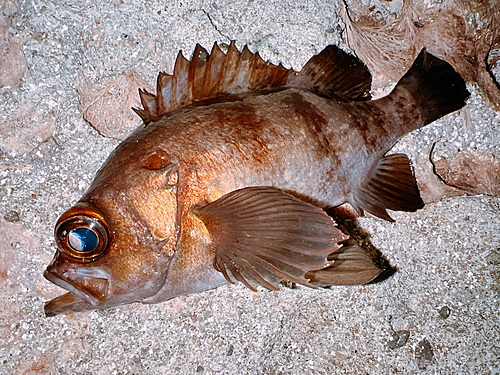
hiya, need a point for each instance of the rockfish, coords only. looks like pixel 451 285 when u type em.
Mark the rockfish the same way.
pixel 228 178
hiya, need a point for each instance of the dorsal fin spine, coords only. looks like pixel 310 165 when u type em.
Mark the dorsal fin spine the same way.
pixel 211 80
pixel 230 67
pixel 197 72
pixel 257 64
pixel 160 99
pixel 242 77
pixel 181 75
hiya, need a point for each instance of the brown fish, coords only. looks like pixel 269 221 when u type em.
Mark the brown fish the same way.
pixel 229 176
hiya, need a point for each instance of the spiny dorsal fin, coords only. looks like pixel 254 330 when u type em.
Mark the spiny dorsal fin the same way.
pixel 332 73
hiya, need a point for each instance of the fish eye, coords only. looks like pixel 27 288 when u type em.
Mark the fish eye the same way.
pixel 82 233
pixel 83 239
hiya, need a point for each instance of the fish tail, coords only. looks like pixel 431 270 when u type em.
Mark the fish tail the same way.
pixel 428 91
pixel 435 85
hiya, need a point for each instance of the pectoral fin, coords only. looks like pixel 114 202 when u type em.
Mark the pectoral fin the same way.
pixel 262 236
pixel 391 185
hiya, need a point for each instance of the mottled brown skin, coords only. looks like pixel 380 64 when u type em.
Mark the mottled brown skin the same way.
pixel 319 149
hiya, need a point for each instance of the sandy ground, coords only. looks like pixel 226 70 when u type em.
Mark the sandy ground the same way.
pixel 437 314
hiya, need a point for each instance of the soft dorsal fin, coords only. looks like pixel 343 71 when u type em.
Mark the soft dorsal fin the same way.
pixel 335 74
pixel 332 73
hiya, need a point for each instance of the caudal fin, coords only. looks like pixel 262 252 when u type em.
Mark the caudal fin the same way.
pixel 435 85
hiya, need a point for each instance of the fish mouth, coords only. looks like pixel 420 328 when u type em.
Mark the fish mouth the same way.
pixel 88 289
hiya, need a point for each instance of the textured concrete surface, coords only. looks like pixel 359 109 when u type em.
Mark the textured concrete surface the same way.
pixel 437 314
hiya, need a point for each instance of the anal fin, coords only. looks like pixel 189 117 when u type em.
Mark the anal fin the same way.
pixel 351 266
pixel 262 236
pixel 392 186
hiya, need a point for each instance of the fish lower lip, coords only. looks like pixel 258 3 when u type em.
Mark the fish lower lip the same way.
pixel 69 302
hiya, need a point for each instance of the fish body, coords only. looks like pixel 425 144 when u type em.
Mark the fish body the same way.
pixel 229 176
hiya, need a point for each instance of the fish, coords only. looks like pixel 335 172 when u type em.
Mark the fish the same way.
pixel 229 177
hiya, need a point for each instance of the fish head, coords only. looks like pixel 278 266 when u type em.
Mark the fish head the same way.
pixel 115 245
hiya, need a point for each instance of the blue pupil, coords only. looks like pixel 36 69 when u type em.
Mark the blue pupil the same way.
pixel 83 239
